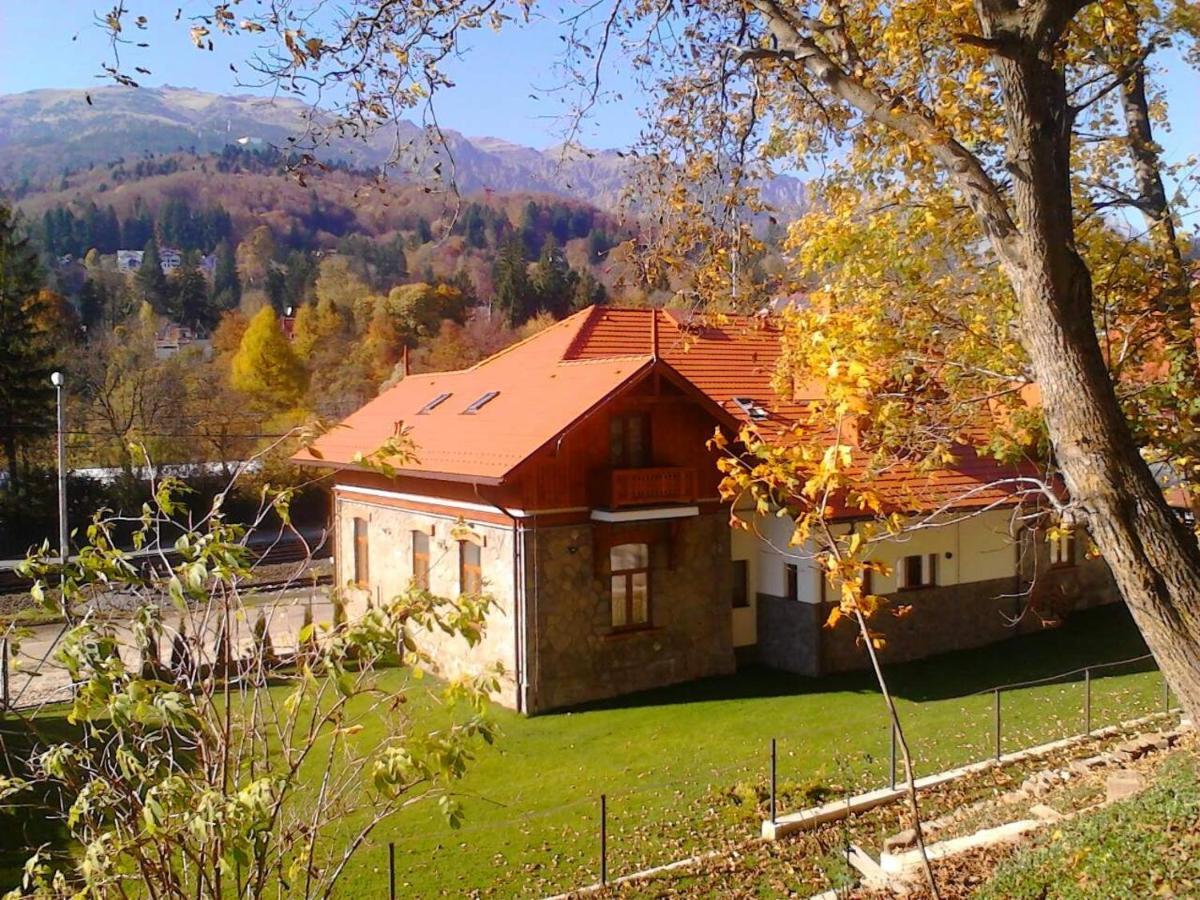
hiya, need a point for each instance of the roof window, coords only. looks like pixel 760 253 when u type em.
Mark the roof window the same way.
pixel 433 404
pixel 755 411
pixel 481 403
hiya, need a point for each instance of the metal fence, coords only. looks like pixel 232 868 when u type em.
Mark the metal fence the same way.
pixel 595 838
pixel 621 832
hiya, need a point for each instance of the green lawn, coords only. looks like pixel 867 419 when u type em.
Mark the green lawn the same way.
pixel 686 767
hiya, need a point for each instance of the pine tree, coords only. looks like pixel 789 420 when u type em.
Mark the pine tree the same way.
pixel 151 282
pixel 511 281
pixel 26 351
pixel 191 296
pixel 227 288
pixel 265 368
pixel 553 280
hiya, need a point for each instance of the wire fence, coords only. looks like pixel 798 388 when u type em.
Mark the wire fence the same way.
pixel 538 845
pixel 595 839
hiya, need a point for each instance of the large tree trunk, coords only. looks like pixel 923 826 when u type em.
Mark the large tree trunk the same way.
pixel 1154 558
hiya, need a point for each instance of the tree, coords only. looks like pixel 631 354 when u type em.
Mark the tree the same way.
pixel 552 280
pixel 265 368
pixel 510 278
pixel 200 783
pixel 226 288
pixel 189 291
pixel 255 258
pixel 27 354
pixel 151 282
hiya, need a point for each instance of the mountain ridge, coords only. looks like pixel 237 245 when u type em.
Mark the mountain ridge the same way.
pixel 47 131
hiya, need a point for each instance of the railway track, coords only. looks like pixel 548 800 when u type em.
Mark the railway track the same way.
pixel 283 553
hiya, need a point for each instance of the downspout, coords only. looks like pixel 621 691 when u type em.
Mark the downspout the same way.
pixel 519 639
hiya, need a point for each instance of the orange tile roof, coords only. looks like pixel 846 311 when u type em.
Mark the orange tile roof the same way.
pixel 551 380
pixel 538 395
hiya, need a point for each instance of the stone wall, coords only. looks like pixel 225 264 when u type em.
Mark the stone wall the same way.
pixel 390 571
pixel 960 616
pixel 789 634
pixel 575 655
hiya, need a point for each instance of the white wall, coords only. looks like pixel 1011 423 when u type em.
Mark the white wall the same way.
pixel 389 531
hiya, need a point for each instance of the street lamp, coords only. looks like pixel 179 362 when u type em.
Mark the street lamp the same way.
pixel 56 379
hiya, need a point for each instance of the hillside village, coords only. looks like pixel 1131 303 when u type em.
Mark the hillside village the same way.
pixel 798 498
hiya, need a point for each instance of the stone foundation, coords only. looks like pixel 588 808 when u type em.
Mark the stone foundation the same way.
pixel 789 635
pixel 575 656
pixel 961 616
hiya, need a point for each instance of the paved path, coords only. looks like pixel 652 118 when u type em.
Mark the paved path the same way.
pixel 36 678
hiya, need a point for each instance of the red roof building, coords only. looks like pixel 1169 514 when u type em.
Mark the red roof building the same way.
pixel 570 478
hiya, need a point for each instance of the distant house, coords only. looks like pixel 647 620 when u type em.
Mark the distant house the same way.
pixel 171 258
pixel 129 261
pixel 569 477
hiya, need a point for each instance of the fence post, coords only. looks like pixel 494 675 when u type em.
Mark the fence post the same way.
pixel 996 710
pixel 4 675
pixel 1166 693
pixel 773 780
pixel 893 754
pixel 391 871
pixel 1087 702
pixel 603 840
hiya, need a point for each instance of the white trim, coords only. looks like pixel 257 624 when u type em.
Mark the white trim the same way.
pixel 454 504
pixel 642 515
pixel 419 498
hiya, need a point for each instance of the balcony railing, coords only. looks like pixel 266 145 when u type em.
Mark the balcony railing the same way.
pixel 620 488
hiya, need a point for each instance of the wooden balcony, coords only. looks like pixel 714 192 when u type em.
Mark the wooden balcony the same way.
pixel 624 488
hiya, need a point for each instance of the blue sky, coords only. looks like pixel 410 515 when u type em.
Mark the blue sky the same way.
pixel 493 83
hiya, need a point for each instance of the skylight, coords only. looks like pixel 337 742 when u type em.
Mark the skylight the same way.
pixel 755 411
pixel 481 403
pixel 433 404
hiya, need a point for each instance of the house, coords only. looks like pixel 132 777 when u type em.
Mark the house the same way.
pixel 570 478
pixel 129 261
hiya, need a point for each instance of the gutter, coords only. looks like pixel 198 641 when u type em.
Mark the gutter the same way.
pixel 521 675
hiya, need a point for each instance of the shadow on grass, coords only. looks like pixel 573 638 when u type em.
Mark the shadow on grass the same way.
pixel 32 818
pixel 1103 635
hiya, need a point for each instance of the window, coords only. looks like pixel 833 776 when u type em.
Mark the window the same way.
pixel 433 404
pixel 754 411
pixel 420 560
pixel 741 584
pixel 481 403
pixel 470 571
pixel 918 571
pixel 361 543
pixel 1062 549
pixel 630 565
pixel 791 577
pixel 629 441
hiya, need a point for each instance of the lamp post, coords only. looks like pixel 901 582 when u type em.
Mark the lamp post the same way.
pixel 56 379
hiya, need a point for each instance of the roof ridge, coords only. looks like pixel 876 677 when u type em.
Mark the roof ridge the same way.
pixel 521 343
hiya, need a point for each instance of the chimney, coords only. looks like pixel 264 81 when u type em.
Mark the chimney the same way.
pixel 654 334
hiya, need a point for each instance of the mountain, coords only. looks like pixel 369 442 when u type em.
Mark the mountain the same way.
pixel 43 133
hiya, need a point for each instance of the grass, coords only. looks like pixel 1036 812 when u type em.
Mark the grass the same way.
pixel 1143 847
pixel 686 768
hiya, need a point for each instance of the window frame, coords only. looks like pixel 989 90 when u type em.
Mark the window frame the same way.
pixel 740 598
pixel 1064 551
pixel 928 569
pixel 420 561
pixel 362 552
pixel 470 575
pixel 627 576
pixel 626 459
